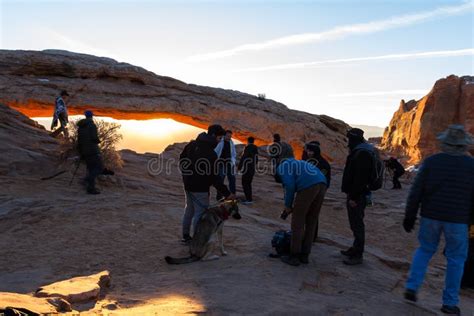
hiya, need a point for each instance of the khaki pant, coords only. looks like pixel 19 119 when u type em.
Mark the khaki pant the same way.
pixel 304 218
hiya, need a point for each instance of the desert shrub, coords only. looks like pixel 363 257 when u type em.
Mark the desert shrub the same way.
pixel 262 96
pixel 109 135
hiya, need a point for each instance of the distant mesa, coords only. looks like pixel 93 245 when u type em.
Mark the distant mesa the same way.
pixel 30 80
pixel 413 129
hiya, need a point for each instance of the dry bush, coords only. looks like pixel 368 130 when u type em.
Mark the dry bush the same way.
pixel 109 135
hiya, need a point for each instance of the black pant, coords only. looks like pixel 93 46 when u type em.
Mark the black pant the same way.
pixel 468 277
pixel 396 182
pixel 356 220
pixel 247 178
pixel 94 168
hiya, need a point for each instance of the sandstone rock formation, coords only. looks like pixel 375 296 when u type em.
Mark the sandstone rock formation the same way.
pixel 413 129
pixel 30 80
pixel 78 289
pixel 30 304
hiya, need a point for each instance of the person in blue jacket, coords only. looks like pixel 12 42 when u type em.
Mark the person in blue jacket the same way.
pixel 305 187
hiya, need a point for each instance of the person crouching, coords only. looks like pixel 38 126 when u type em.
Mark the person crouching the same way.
pixel 309 184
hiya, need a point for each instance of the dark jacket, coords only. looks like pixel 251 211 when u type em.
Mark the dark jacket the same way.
pixel 358 171
pixel 249 159
pixel 322 165
pixel 198 166
pixel 396 166
pixel 444 186
pixel 87 138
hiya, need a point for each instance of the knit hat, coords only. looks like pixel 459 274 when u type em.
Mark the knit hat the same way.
pixel 455 135
pixel 88 113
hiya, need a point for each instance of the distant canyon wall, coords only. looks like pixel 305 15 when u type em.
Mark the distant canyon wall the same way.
pixel 415 125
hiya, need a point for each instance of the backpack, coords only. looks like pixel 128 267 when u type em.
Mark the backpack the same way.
pixel 378 170
pixel 281 241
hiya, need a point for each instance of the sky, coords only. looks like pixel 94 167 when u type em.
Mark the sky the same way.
pixel 352 60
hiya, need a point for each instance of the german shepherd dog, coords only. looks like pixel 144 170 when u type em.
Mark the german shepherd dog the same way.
pixel 209 226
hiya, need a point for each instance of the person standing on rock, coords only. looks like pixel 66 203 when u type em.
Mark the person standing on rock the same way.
pixel 309 184
pixel 355 183
pixel 60 114
pixel 397 169
pixel 226 153
pixel 247 164
pixel 274 150
pixel 89 151
pixel 313 156
pixel 198 166
pixel 444 187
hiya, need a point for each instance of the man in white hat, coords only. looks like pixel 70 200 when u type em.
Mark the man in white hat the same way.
pixel 444 187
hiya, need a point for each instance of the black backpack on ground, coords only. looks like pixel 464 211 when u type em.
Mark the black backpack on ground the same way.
pixel 281 241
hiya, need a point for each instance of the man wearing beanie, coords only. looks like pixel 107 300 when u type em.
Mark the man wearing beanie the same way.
pixel 355 182
pixel 88 147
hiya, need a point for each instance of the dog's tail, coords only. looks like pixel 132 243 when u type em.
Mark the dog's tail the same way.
pixel 171 260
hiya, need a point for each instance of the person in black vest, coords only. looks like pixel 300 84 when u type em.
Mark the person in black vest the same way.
pixel 247 164
pixel 227 158
pixel 197 163
pixel 355 182
pixel 88 148
pixel 396 167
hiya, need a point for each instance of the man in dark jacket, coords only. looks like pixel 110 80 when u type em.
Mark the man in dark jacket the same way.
pixel 312 154
pixel 397 169
pixel 247 164
pixel 88 147
pixel 355 181
pixel 199 170
pixel 274 150
pixel 444 187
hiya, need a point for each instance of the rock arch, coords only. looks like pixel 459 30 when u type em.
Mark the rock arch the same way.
pixel 30 80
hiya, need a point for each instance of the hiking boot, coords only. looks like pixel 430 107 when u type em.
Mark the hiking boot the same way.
pixel 93 191
pixel 451 310
pixel 349 252
pixel 410 295
pixel 186 238
pixel 291 260
pixel 353 261
pixel 304 258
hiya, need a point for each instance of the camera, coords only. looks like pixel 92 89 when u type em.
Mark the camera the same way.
pixel 284 215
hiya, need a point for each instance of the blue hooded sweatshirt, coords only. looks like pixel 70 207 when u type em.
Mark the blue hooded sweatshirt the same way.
pixel 297 175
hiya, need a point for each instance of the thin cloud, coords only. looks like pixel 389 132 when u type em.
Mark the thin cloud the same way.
pixel 443 53
pixel 338 32
pixel 378 93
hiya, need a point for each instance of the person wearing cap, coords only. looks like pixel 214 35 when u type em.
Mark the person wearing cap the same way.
pixel 355 182
pixel 198 166
pixel 305 187
pixel 60 114
pixel 444 188
pixel 88 146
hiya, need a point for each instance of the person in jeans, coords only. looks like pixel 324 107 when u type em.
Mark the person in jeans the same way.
pixel 355 180
pixel 444 187
pixel 306 181
pixel 60 115
pixel 198 167
pixel 227 158
pixel 247 164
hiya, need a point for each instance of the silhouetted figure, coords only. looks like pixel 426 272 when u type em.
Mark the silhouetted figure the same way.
pixel 397 169
pixel 60 115
pixel 444 187
pixel 197 163
pixel 274 150
pixel 247 164
pixel 88 147
pixel 355 183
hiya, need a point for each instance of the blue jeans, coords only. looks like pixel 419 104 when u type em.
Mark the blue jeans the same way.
pixel 456 236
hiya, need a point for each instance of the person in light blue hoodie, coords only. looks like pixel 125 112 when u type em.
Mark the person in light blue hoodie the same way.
pixel 305 187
